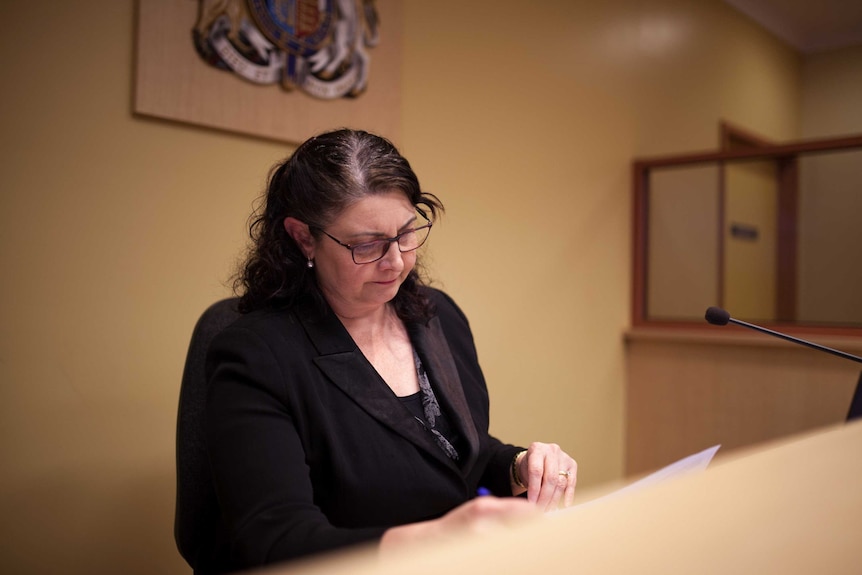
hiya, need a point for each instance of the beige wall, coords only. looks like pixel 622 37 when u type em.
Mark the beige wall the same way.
pixel 683 240
pixel 830 247
pixel 750 267
pixel 831 90
pixel 117 231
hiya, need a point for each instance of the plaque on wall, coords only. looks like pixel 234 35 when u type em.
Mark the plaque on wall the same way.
pixel 282 70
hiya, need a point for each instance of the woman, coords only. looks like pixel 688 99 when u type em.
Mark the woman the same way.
pixel 347 404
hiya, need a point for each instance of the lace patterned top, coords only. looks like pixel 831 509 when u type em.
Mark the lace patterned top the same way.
pixel 426 410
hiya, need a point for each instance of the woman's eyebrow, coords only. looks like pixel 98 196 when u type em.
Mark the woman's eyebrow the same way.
pixel 410 221
pixel 382 235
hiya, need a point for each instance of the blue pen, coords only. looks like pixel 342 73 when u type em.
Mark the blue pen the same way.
pixel 482 491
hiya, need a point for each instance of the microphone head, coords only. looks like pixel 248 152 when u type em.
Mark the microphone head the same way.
pixel 717 316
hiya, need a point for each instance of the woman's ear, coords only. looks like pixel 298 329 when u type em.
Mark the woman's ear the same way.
pixel 301 235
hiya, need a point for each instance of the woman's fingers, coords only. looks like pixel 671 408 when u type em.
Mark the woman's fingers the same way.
pixel 551 476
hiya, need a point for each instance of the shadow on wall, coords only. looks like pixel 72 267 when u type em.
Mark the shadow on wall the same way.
pixel 88 525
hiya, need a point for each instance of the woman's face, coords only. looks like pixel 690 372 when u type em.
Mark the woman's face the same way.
pixel 355 290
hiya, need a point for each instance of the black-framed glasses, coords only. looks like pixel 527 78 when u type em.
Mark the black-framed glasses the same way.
pixel 369 252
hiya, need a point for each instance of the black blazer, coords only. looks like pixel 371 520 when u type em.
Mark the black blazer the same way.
pixel 311 450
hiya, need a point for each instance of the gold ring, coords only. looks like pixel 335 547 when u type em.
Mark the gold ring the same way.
pixel 565 473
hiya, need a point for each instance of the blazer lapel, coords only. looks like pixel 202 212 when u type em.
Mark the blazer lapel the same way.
pixel 345 366
pixel 433 349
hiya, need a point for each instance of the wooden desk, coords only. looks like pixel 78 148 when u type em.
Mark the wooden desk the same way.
pixel 794 506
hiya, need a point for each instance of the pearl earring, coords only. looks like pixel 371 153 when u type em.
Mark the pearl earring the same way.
pixel 310 263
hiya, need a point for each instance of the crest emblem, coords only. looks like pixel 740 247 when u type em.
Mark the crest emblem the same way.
pixel 317 46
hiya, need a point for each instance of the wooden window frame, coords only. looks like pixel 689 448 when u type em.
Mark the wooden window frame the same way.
pixel 786 157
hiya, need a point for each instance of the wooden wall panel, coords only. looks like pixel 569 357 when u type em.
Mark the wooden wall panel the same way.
pixel 688 391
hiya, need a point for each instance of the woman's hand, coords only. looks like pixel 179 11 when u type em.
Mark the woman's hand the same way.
pixel 478 515
pixel 549 474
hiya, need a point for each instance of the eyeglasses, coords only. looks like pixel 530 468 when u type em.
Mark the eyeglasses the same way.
pixel 369 252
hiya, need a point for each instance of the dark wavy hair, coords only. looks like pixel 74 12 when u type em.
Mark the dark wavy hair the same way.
pixel 325 175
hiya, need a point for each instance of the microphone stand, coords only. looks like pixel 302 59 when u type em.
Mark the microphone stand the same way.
pixel 784 336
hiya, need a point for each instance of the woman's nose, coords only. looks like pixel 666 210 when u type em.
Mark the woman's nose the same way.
pixel 393 256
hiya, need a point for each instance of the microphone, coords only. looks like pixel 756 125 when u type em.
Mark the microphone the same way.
pixel 718 316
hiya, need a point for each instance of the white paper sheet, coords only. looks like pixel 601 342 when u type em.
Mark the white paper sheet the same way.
pixel 692 464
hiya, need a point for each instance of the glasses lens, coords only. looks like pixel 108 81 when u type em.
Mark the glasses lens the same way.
pixel 413 240
pixel 372 251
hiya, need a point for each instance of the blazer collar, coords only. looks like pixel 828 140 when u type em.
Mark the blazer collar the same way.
pixel 345 366
pixel 433 349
